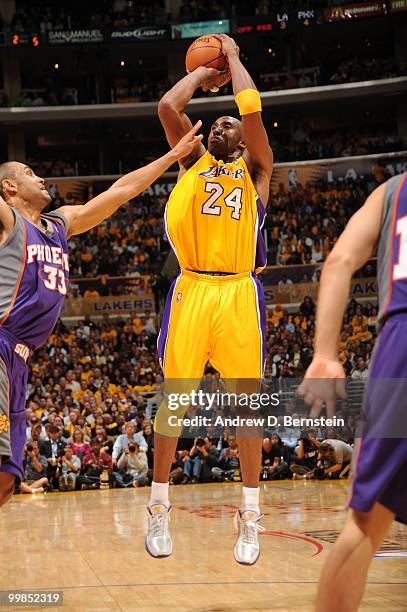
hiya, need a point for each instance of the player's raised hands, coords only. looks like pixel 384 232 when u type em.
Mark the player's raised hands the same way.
pixel 188 143
pixel 229 47
pixel 323 381
pixel 211 78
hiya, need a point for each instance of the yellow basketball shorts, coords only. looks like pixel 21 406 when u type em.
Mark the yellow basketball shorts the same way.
pixel 217 318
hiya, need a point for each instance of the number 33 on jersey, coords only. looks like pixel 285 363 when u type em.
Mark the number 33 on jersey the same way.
pixel 213 218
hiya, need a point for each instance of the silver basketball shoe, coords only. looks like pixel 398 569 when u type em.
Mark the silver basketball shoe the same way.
pixel 247 547
pixel 158 541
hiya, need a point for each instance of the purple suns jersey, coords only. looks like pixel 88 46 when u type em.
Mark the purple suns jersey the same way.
pixel 34 277
pixel 392 250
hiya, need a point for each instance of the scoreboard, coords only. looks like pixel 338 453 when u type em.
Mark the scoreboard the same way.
pixel 23 39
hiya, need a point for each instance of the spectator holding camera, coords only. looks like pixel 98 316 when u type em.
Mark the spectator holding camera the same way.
pixel 334 459
pixel 229 462
pixel 35 470
pixel 203 456
pixel 53 447
pixel 270 459
pixel 210 460
pixel 132 467
pixel 68 469
pixel 193 463
pixel 93 465
pixel 125 439
pixel 307 454
pixel 177 467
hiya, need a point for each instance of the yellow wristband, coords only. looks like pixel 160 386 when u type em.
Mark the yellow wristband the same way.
pixel 248 101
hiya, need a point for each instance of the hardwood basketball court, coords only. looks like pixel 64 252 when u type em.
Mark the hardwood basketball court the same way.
pixel 91 546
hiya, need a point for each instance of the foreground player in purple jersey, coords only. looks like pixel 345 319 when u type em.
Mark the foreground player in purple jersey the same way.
pixel 34 273
pixel 379 488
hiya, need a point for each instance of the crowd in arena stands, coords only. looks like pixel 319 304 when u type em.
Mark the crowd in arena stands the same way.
pixel 94 389
pixel 302 143
pixel 304 222
pixel 131 242
pixel 290 339
pixel 142 87
pixel 50 96
pixel 302 226
pixel 308 143
pixel 44 16
pixel 66 166
pixel 353 70
pixel 360 69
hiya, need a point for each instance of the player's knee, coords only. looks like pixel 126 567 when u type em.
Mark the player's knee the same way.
pixel 6 489
pixel 373 524
pixel 361 519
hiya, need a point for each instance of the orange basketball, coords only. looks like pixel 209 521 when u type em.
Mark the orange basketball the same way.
pixel 205 51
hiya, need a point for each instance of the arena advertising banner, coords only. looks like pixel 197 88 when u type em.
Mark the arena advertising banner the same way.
pixel 295 293
pixel 67 188
pixel 82 189
pixel 198 28
pixel 247 25
pixel 350 11
pixel 274 294
pixel 110 305
pixel 139 34
pixel 396 6
pixel 291 175
pixel 72 37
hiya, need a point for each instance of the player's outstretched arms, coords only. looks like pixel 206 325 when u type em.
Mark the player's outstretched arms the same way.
pixel 175 121
pixel 325 376
pixel 6 221
pixel 82 218
pixel 260 155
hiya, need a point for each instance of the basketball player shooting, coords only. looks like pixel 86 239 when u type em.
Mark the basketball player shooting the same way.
pixel 34 275
pixel 379 487
pixel 215 309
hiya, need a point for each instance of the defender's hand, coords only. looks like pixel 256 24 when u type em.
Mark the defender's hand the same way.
pixel 323 381
pixel 188 142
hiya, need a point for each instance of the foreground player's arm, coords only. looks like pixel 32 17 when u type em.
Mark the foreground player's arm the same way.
pixel 256 140
pixel 6 220
pixel 82 218
pixel 175 121
pixel 354 247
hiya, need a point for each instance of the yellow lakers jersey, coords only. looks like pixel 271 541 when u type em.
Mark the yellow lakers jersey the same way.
pixel 213 218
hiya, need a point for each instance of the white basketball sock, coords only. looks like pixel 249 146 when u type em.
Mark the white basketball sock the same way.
pixel 250 499
pixel 159 493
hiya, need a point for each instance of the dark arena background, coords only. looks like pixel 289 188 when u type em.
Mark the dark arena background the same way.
pixel 79 88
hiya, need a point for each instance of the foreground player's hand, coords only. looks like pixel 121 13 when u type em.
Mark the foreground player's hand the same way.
pixel 229 47
pixel 323 381
pixel 188 143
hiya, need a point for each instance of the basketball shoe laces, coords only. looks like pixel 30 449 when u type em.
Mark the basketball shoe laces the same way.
pixel 251 529
pixel 159 524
